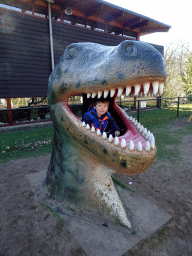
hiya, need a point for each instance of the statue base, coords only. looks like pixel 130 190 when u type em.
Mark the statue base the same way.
pixel 98 235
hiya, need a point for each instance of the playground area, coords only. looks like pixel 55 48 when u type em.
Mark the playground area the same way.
pixel 29 228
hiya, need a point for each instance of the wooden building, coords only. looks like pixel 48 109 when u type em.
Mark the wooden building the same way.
pixel 35 34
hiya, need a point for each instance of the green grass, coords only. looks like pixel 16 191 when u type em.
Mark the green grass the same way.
pixel 156 115
pixel 167 138
pixel 25 143
pixel 28 143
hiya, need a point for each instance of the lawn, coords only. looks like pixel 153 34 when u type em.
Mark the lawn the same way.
pixel 25 143
pixel 159 114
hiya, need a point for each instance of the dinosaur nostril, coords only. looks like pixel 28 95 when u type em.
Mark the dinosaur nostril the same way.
pixel 130 49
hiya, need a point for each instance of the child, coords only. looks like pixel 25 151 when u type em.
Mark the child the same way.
pixel 99 117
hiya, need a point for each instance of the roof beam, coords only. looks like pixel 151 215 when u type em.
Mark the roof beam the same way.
pixel 155 29
pixel 94 10
pixel 132 22
pixel 139 25
pixel 114 16
pixel 64 5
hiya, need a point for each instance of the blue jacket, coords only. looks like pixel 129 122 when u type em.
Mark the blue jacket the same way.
pixel 105 123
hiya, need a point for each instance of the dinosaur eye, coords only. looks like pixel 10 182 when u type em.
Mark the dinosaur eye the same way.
pixel 72 53
pixel 131 49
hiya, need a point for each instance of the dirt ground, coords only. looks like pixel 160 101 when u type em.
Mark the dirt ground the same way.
pixel 28 228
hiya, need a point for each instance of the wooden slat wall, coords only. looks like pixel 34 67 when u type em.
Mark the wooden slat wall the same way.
pixel 27 54
pixel 25 59
pixel 3 77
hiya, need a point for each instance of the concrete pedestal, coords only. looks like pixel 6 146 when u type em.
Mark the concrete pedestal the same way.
pixel 98 235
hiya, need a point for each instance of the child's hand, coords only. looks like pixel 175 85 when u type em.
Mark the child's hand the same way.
pixel 117 133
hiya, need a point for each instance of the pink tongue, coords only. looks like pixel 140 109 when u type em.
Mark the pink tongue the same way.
pixel 135 138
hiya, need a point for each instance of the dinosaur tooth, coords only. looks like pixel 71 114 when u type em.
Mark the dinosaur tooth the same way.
pixel 151 139
pixel 112 92
pixel 128 90
pixel 155 87
pixel 133 120
pixel 147 146
pixel 137 89
pixel 130 118
pixel 87 127
pixel 92 129
pixel 116 142
pixel 146 88
pixel 119 92
pixel 83 124
pixel 98 132
pixel 93 95
pixel 151 135
pixel 104 136
pixel 99 94
pixel 110 139
pixel 123 143
pixel 141 128
pixel 152 143
pixel 136 122
pixel 106 92
pixel 148 134
pixel 88 95
pixel 144 132
pixel 161 85
pixel 139 146
pixel 138 126
pixel 131 145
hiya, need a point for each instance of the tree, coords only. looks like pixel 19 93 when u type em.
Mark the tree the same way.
pixel 175 56
pixel 187 77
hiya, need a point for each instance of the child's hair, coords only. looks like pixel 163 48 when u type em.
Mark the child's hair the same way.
pixel 103 100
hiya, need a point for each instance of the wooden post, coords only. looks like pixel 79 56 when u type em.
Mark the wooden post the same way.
pixel 9 112
pixel 138 110
pixel 135 103
pixel 158 102
pixel 105 28
pixel 178 106
pixel 33 8
pixel 138 36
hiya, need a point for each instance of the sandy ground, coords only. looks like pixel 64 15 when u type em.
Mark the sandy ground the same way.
pixel 28 228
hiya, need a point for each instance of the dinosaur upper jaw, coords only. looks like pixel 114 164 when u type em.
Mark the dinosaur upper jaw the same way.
pixel 130 153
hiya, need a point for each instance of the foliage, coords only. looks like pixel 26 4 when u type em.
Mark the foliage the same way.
pixel 187 78
pixel 175 56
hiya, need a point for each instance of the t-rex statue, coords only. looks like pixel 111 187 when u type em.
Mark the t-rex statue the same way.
pixel 83 159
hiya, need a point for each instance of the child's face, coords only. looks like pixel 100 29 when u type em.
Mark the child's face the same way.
pixel 101 108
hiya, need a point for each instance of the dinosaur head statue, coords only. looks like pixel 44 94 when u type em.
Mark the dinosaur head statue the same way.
pixel 98 71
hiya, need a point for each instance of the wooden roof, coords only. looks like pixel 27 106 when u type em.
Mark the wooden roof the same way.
pixel 96 14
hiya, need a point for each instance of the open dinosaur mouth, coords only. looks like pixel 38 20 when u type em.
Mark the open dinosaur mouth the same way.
pixel 134 136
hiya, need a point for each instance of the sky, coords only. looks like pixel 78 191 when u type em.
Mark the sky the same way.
pixel 176 14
